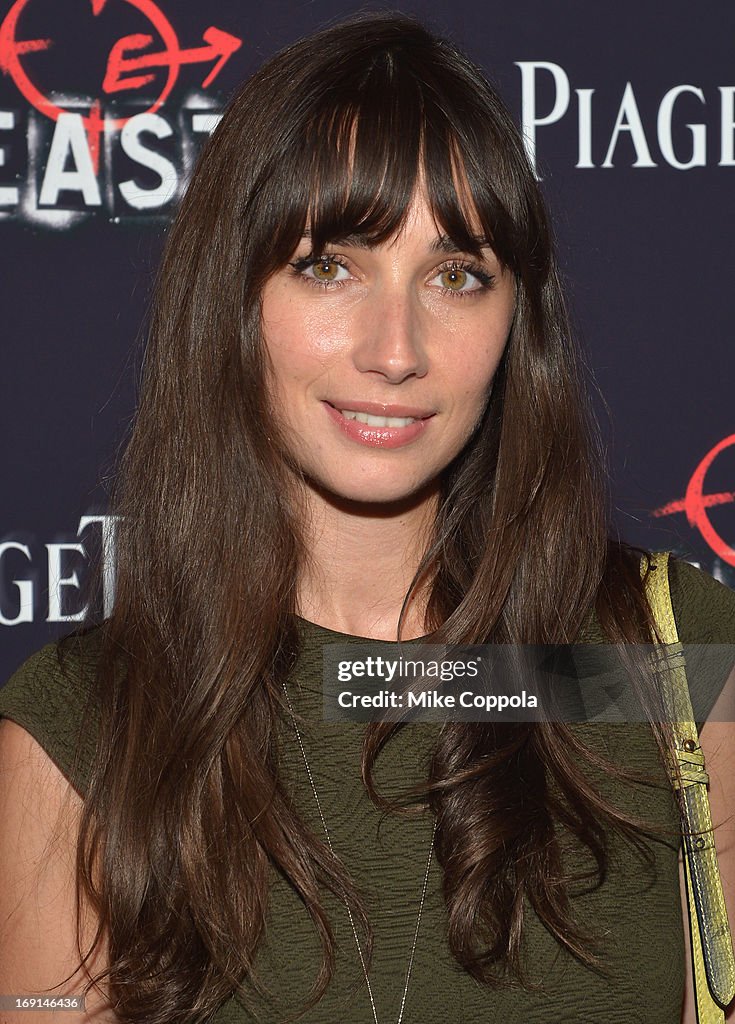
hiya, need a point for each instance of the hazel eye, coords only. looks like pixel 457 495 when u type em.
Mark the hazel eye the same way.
pixel 325 270
pixel 328 270
pixel 460 280
pixel 455 280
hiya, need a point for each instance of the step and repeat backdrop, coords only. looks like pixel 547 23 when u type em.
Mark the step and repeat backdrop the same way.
pixel 628 111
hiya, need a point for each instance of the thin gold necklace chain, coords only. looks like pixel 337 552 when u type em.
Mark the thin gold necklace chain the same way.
pixel 347 906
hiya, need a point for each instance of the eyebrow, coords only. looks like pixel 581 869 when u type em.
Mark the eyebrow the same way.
pixel 442 243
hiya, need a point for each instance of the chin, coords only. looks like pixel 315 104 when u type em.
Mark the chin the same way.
pixel 378 492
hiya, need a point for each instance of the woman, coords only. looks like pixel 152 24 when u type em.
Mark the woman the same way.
pixel 363 236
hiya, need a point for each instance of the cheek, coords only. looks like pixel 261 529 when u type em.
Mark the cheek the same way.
pixel 475 390
pixel 301 341
pixel 474 362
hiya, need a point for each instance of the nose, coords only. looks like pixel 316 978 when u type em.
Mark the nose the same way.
pixel 391 337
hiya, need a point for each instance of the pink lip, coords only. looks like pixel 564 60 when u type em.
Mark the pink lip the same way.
pixel 377 437
pixel 380 409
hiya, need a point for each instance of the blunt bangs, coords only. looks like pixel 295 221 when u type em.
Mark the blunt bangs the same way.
pixel 371 131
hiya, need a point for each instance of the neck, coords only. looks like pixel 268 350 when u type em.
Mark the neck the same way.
pixel 363 557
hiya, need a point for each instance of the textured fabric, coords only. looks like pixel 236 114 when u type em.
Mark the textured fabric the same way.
pixel 636 912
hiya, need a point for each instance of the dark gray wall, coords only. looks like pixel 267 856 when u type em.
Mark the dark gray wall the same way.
pixel 645 244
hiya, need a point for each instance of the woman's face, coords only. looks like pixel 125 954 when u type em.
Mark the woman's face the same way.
pixel 412 330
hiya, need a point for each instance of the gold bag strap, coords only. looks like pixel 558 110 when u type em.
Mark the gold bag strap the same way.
pixel 711 941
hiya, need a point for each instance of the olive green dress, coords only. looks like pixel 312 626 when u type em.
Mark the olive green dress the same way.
pixel 636 912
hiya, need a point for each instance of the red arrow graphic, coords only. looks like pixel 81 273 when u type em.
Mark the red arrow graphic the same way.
pixel 219 47
pixel 695 503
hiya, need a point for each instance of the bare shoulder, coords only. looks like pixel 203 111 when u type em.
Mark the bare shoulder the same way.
pixel 40 811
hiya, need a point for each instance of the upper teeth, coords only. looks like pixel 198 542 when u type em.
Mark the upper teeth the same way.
pixel 377 421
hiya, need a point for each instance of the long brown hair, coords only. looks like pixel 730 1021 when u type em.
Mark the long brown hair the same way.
pixel 332 133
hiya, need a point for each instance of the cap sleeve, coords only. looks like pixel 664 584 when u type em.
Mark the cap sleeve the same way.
pixel 51 695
